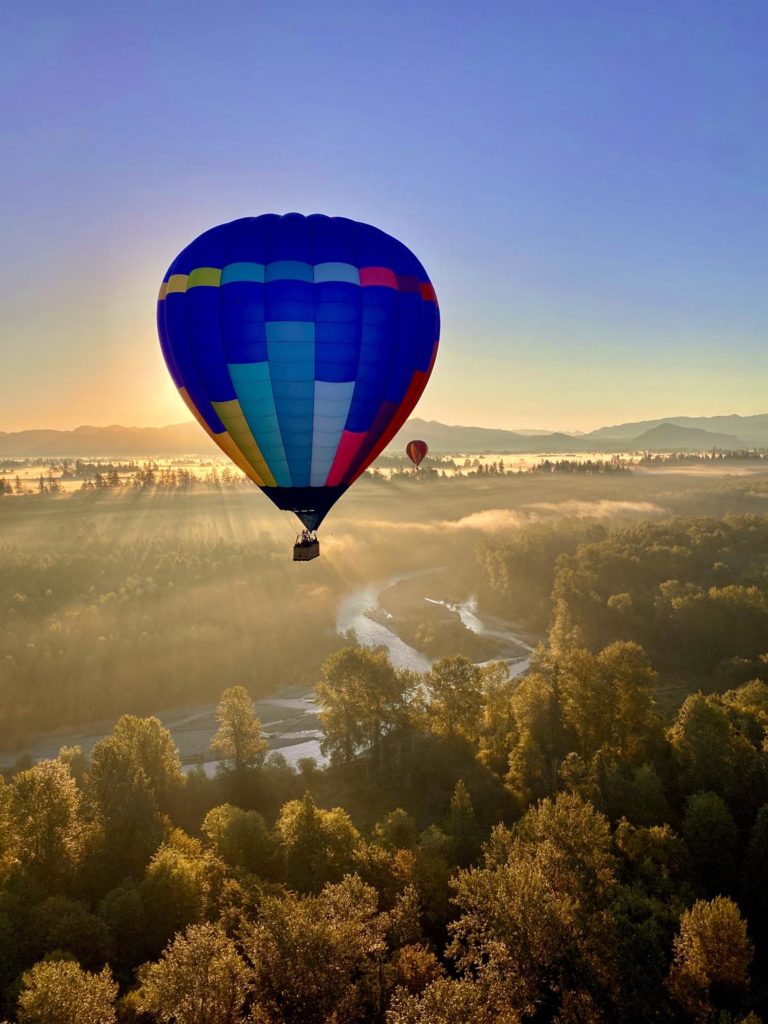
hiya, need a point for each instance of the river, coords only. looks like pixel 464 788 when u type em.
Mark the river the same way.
pixel 290 720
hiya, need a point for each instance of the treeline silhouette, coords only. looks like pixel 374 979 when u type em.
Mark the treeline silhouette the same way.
pixel 151 476
pixel 476 851
pixel 147 476
pixel 449 469
pixel 694 458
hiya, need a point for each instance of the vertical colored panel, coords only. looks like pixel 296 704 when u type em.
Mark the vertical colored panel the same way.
pixel 331 407
pixel 253 386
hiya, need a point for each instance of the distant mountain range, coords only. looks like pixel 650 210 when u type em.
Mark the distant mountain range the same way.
pixel 89 442
pixel 674 433
pixel 750 430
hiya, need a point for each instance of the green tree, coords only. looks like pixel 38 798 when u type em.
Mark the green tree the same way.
pixel 122 910
pixel 126 813
pixel 462 826
pixel 8 838
pixel 240 838
pixel 710 970
pixel 178 889
pixel 712 839
pixel 317 846
pixel 498 726
pixel 432 868
pixel 396 831
pixel 200 979
pixel 75 760
pixel 59 923
pixel 541 739
pixel 46 816
pixel 147 744
pixel 754 874
pixel 450 1001
pixel 713 753
pixel 534 925
pixel 61 992
pixel 238 741
pixel 629 791
pixel 454 698
pixel 608 700
pixel 363 701
pixel 338 939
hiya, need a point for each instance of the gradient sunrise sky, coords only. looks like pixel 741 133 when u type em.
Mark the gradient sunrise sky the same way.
pixel 585 182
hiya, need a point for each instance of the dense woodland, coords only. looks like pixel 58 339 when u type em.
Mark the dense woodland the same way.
pixel 586 844
pixel 693 592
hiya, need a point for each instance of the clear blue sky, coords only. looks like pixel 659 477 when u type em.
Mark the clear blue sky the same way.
pixel 586 183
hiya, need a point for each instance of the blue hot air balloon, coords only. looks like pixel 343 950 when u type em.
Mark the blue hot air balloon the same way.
pixel 301 345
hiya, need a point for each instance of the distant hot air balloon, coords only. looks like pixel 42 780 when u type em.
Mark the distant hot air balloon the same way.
pixel 416 450
pixel 301 345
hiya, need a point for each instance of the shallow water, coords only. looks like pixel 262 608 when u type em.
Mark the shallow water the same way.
pixel 291 723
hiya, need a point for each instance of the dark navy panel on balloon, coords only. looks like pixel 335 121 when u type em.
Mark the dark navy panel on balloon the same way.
pixel 291 240
pixel 242 322
pixel 176 330
pixel 209 250
pixel 365 403
pixel 375 249
pixel 248 237
pixel 333 239
pixel 205 343
pixel 165 347
pixel 337 351
pixel 380 306
pixel 337 302
pixel 288 300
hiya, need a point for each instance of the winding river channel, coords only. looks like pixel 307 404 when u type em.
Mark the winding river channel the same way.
pixel 290 721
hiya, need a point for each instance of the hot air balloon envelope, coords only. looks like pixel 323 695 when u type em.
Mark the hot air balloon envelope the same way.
pixel 301 345
pixel 416 450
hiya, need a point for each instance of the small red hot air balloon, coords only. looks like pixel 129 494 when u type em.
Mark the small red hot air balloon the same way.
pixel 416 450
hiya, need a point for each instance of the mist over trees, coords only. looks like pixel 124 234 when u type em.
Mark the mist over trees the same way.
pixel 587 843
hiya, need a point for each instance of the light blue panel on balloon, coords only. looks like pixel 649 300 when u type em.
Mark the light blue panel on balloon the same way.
pixel 336 272
pixel 331 408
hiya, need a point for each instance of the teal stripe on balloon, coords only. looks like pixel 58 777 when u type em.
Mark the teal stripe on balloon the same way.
pixel 291 352
pixel 289 270
pixel 242 272
pixel 253 386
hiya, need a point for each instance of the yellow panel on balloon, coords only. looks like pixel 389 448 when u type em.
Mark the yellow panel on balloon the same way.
pixel 231 415
pixel 176 283
pixel 209 276
pixel 224 441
